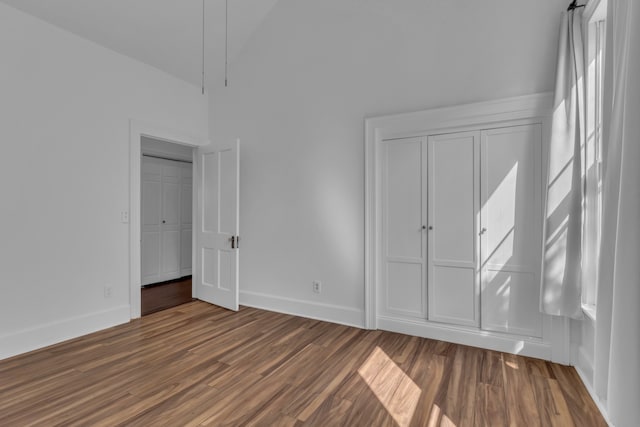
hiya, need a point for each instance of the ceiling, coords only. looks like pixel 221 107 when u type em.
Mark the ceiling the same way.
pixel 166 34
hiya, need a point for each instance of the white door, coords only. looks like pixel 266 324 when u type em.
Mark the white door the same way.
pixel 186 223
pixel 217 225
pixel 150 221
pixel 160 220
pixel 511 229
pixel 453 206
pixel 403 290
pixel 170 220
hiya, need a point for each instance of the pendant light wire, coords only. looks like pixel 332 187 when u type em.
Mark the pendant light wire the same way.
pixel 203 47
pixel 226 43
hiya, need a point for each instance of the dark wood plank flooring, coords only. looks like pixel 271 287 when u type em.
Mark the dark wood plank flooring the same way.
pixel 166 295
pixel 198 364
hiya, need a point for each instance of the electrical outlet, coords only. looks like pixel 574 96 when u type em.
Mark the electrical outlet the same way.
pixel 108 291
pixel 124 217
pixel 316 286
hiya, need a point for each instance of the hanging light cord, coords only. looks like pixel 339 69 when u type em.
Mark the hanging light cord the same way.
pixel 226 43
pixel 203 47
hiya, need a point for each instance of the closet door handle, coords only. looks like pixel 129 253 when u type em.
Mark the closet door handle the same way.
pixel 233 242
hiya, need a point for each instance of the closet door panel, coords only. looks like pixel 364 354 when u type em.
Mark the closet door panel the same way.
pixel 453 161
pixel 404 200
pixel 150 260
pixel 171 173
pixel 186 220
pixel 151 192
pixel 511 218
pixel 403 292
pixel 171 196
pixel 453 294
pixel 510 303
pixel 171 254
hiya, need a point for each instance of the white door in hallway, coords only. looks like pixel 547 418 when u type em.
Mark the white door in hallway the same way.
pixel 217 224
pixel 161 220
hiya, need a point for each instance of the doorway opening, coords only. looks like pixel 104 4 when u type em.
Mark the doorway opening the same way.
pixel 166 224
pixel 157 143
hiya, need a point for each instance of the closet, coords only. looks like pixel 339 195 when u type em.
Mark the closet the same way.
pixel 461 228
pixel 166 219
pixel 454 201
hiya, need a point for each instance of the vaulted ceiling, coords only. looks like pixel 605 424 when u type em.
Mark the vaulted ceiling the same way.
pixel 166 34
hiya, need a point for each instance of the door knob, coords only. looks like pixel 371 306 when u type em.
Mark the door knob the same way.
pixel 163 221
pixel 431 227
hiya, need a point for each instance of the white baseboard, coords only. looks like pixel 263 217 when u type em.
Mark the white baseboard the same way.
pixel 584 362
pixel 472 337
pixel 602 406
pixel 312 310
pixel 62 330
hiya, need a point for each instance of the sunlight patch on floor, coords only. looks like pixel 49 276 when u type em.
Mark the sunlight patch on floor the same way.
pixel 393 388
pixel 438 419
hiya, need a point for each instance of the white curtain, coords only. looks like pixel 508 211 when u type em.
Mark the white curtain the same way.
pixel 560 293
pixel 617 356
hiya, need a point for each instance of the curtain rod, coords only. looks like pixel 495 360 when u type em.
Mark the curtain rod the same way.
pixel 574 5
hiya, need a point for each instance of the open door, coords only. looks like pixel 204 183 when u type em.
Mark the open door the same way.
pixel 217 225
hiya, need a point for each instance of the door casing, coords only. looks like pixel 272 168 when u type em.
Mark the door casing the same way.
pixel 137 130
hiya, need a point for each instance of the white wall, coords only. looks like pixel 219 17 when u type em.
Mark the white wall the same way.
pixel 298 96
pixel 65 105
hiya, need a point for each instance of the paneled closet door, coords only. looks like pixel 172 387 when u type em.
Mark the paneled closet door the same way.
pixel 403 215
pixel 511 229
pixel 170 221
pixel 186 220
pixel 453 203
pixel 161 220
pixel 150 221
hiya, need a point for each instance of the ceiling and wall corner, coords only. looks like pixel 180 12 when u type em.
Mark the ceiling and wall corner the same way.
pixel 165 34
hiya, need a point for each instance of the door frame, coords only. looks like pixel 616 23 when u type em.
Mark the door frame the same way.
pixel 432 122
pixel 138 129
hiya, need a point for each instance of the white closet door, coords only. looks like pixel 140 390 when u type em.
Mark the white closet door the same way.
pixel 186 216
pixel 453 203
pixel 404 208
pixel 151 229
pixel 511 224
pixel 163 234
pixel 170 268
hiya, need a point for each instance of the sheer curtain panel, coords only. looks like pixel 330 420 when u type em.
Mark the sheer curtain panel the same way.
pixel 560 293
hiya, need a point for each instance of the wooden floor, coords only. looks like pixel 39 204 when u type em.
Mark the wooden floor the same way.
pixel 197 364
pixel 166 295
